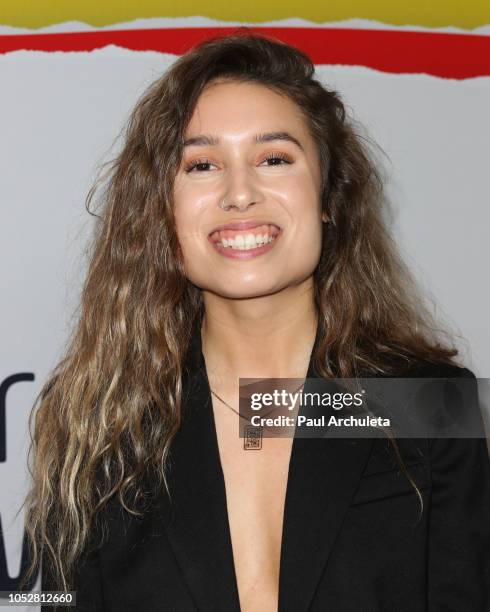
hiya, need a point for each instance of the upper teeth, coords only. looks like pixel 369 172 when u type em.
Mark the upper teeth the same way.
pixel 249 241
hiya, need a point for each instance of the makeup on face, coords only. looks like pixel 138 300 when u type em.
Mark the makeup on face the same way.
pixel 246 196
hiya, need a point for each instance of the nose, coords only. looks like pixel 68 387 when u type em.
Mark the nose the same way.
pixel 241 192
pixel 240 207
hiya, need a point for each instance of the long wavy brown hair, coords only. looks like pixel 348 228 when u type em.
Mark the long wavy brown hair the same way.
pixel 106 416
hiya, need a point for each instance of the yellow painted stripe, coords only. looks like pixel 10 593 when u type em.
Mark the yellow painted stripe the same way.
pixel 435 13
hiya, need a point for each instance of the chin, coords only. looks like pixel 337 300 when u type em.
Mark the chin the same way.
pixel 236 291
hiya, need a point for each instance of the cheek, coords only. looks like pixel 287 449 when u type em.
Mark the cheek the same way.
pixel 306 241
pixel 302 201
pixel 305 237
pixel 189 239
pixel 188 208
pixel 299 188
pixel 187 214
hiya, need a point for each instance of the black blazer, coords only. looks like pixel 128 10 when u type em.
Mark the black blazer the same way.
pixel 351 542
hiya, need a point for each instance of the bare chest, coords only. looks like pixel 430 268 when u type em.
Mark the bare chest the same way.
pixel 255 482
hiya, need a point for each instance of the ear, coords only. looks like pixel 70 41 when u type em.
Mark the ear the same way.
pixel 325 218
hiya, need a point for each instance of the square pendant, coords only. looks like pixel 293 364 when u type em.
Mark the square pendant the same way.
pixel 253 438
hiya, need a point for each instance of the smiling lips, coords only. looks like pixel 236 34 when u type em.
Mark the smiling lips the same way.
pixel 250 240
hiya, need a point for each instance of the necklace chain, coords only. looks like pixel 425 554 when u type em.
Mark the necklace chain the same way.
pixel 253 434
pixel 236 411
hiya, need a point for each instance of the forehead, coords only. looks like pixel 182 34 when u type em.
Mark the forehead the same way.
pixel 227 106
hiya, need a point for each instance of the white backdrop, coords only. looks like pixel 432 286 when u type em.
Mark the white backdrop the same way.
pixel 59 115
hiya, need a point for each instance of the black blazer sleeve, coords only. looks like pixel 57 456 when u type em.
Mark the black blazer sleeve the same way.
pixel 459 523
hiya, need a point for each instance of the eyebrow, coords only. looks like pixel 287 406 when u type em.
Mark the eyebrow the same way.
pixel 206 140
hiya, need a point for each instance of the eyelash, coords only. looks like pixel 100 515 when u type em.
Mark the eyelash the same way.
pixel 282 156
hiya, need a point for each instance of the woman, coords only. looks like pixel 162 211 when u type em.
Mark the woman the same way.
pixel 241 237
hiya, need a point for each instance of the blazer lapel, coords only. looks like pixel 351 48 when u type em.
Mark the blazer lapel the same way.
pixel 323 476
pixel 195 516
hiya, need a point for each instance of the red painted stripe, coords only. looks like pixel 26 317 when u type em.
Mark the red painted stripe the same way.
pixel 456 56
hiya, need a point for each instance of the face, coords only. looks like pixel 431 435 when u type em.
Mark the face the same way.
pixel 247 193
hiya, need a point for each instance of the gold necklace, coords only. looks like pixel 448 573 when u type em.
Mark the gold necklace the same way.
pixel 253 433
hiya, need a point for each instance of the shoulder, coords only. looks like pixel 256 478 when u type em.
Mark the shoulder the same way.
pixel 438 369
pixel 459 409
pixel 454 401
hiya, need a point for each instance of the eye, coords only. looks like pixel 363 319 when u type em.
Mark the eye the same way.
pixel 202 165
pixel 198 163
pixel 278 157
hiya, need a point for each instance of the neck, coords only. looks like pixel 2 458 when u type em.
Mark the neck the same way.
pixel 267 337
